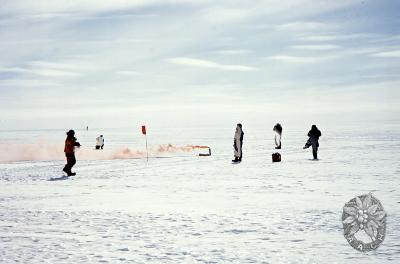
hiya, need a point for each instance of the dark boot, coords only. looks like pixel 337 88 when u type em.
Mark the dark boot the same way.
pixel 235 160
pixel 315 155
pixel 68 171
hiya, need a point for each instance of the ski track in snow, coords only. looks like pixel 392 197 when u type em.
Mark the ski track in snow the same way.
pixel 189 209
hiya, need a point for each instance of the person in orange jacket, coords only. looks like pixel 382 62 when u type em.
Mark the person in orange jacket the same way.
pixel 69 149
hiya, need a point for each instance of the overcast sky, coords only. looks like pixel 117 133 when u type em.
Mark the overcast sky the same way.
pixel 112 63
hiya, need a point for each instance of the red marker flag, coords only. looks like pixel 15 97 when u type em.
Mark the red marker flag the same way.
pixel 144 130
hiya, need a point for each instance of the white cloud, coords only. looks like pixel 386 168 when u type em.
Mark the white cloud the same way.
pixel 54 73
pixel 304 26
pixel 50 69
pixel 388 54
pixel 60 65
pixel 128 73
pixel 62 6
pixel 210 64
pixel 42 72
pixel 296 59
pixel 234 51
pixel 238 11
pixel 27 83
pixel 317 47
pixel 335 37
pixel 225 15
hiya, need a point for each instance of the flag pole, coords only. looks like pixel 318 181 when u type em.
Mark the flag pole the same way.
pixel 147 151
pixel 144 132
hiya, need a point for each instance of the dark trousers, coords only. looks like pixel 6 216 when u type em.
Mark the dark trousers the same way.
pixel 71 160
pixel 99 147
pixel 315 153
pixel 315 146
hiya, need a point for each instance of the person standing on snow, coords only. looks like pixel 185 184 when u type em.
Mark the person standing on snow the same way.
pixel 278 135
pixel 69 149
pixel 313 137
pixel 238 143
pixel 100 142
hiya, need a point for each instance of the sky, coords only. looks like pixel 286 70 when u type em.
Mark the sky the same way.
pixel 121 63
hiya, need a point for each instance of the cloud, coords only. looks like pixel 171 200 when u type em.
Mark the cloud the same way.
pixel 228 12
pixel 53 73
pixel 26 83
pixel 234 51
pixel 225 15
pixel 304 26
pixel 296 59
pixel 388 54
pixel 41 72
pixel 210 64
pixel 317 47
pixel 128 73
pixel 61 65
pixel 62 6
pixel 335 37
pixel 47 69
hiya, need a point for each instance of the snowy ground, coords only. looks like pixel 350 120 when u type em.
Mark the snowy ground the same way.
pixel 180 208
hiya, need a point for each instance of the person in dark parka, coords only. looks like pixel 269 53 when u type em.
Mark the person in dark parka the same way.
pixel 238 143
pixel 313 137
pixel 69 149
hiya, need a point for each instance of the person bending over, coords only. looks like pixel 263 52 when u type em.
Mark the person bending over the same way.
pixel 278 135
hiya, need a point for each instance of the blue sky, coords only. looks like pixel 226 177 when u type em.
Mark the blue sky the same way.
pixel 109 63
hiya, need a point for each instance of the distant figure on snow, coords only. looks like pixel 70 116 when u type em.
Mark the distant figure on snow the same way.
pixel 238 143
pixel 69 149
pixel 313 137
pixel 278 135
pixel 100 142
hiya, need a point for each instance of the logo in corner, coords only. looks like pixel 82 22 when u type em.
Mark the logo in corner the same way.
pixel 364 222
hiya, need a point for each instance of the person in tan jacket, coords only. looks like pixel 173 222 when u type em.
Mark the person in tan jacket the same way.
pixel 69 149
pixel 238 144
